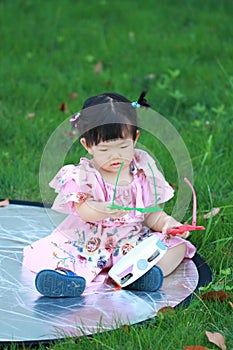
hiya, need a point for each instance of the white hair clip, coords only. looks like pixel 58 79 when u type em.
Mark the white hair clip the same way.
pixel 74 120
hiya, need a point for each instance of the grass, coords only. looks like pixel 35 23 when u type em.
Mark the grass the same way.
pixel 182 52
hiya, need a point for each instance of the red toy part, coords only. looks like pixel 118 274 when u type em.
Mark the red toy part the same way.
pixel 186 227
pixel 178 230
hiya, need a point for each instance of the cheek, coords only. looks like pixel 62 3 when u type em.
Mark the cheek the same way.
pixel 129 153
pixel 101 158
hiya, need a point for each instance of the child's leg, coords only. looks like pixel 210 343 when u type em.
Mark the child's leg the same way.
pixel 172 259
pixel 151 281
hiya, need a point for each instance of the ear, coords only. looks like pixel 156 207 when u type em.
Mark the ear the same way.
pixel 84 144
pixel 137 136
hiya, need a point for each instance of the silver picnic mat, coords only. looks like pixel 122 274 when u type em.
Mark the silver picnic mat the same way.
pixel 26 316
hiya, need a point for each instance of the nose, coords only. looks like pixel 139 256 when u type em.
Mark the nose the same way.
pixel 115 153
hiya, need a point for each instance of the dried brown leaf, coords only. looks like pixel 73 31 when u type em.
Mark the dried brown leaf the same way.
pixel 211 213
pixel 31 115
pixel 217 339
pixel 108 83
pixel 64 108
pixel 166 309
pixel 4 203
pixel 73 95
pixel 218 295
pixel 126 328
pixel 173 185
pixel 98 68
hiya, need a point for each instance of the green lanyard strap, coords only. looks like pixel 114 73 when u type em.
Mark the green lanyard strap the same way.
pixel 143 210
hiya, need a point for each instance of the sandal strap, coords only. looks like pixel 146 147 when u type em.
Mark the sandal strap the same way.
pixel 66 271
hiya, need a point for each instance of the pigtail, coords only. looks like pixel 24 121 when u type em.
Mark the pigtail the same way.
pixel 141 102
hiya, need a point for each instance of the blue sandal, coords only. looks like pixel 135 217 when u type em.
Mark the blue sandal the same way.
pixel 150 282
pixel 52 283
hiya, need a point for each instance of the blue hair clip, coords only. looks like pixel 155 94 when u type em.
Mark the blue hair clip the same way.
pixel 136 104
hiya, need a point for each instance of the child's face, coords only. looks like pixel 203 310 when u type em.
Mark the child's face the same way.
pixel 108 155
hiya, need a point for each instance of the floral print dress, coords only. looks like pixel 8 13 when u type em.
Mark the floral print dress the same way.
pixel 88 247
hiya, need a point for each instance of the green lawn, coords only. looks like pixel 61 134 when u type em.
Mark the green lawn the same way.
pixel 182 52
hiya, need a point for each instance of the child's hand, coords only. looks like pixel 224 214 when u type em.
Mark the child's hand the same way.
pixel 114 213
pixel 170 223
pixel 97 211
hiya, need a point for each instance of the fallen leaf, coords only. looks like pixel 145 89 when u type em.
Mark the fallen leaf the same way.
pixel 211 213
pixel 4 203
pixel 217 295
pixel 217 339
pixel 173 185
pixel 73 95
pixel 230 304
pixel 107 83
pixel 195 347
pixel 31 115
pixel 166 309
pixel 126 328
pixel 98 67
pixel 64 108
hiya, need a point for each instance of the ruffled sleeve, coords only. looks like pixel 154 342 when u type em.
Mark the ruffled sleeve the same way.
pixel 75 184
pixel 164 191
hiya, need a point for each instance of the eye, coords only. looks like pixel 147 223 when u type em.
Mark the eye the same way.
pixel 103 150
pixel 124 146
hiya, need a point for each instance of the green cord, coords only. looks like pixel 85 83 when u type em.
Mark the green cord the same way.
pixel 143 210
pixel 117 179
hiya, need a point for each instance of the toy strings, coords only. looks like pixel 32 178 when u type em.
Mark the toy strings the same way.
pixel 143 210
pixel 172 231
pixel 186 227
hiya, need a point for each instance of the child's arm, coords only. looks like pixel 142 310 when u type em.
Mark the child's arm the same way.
pixel 160 221
pixel 97 211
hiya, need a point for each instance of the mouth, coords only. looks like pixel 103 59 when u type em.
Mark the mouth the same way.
pixel 116 164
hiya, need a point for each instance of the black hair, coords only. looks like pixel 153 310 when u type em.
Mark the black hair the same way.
pixel 109 116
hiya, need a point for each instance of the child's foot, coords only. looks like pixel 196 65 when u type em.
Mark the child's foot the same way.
pixel 52 283
pixel 150 282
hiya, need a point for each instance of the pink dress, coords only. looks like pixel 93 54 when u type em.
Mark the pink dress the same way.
pixel 88 247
